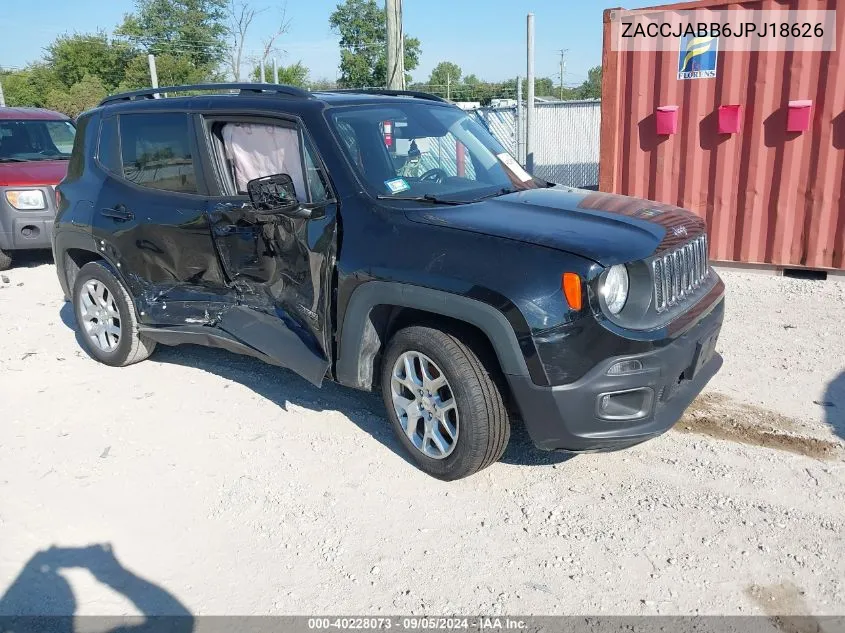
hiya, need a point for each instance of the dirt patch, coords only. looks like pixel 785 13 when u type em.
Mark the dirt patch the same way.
pixel 784 598
pixel 786 607
pixel 724 418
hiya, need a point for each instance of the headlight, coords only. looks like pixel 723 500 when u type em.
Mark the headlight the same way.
pixel 614 289
pixel 31 200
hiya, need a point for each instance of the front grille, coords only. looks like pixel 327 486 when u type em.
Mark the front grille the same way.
pixel 680 272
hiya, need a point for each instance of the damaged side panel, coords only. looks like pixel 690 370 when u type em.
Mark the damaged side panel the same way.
pixel 270 291
pixel 279 273
pixel 272 336
pixel 250 278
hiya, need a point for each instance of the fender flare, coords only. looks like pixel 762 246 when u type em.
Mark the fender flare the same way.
pixel 66 240
pixel 359 340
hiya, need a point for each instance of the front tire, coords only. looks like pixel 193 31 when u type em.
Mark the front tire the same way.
pixel 5 260
pixel 443 402
pixel 105 318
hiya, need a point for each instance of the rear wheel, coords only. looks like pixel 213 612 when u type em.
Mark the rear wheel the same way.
pixel 443 402
pixel 105 316
pixel 5 260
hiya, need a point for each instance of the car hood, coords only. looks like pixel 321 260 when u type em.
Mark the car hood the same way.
pixel 32 173
pixel 606 228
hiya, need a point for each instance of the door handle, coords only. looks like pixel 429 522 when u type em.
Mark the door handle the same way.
pixel 118 212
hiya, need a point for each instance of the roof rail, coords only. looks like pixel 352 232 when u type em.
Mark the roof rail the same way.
pixel 249 88
pixel 391 93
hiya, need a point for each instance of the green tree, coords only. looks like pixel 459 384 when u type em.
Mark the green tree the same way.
pixel 591 88
pixel 292 75
pixel 362 27
pixel 323 83
pixel 28 87
pixel 81 96
pixel 172 70
pixel 444 73
pixel 71 57
pixel 543 87
pixel 193 29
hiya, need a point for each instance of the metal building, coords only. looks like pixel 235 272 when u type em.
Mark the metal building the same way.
pixel 769 183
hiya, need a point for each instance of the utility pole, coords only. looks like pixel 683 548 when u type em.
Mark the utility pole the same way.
pixel 2 96
pixel 263 77
pixel 520 129
pixel 153 74
pixel 563 53
pixel 275 70
pixel 151 60
pixel 395 45
pixel 448 87
pixel 529 110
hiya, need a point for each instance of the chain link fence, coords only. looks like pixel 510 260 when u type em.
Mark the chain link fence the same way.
pixel 566 138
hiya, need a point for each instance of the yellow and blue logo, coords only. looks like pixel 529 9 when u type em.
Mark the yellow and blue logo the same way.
pixel 697 57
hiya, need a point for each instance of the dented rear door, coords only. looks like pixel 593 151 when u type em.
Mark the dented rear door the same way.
pixel 150 218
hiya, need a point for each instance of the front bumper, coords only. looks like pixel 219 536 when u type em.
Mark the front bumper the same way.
pixel 26 229
pixel 571 417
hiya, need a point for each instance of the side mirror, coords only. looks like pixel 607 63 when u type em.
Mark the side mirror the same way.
pixel 274 194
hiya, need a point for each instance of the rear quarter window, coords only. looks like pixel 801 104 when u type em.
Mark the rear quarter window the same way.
pixel 108 148
pixel 76 164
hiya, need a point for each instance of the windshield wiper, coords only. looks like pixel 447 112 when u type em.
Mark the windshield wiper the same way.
pixel 435 200
pixel 13 160
pixel 426 198
pixel 501 192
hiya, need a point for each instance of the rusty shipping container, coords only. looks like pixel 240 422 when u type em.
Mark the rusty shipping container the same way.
pixel 770 196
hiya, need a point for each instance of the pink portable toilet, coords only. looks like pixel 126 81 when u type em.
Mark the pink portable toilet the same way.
pixel 667 119
pixel 729 116
pixel 798 116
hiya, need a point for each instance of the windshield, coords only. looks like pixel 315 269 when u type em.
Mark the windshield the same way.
pixel 27 140
pixel 417 150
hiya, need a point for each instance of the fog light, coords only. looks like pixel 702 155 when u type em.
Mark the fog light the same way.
pixel 625 367
pixel 632 404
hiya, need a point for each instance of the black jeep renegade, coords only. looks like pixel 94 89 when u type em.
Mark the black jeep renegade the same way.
pixel 385 240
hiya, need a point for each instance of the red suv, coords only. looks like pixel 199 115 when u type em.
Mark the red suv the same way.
pixel 35 146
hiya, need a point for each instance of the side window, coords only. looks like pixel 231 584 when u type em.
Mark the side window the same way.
pixel 253 150
pixel 108 148
pixel 156 151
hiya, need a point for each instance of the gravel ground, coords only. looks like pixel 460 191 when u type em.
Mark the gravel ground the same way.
pixel 225 486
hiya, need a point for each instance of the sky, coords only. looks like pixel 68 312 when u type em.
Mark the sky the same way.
pixel 486 37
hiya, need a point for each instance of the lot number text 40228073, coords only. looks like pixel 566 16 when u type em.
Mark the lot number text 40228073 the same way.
pixel 417 623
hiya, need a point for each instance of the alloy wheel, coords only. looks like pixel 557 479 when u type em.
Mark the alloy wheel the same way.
pixel 425 404
pixel 100 316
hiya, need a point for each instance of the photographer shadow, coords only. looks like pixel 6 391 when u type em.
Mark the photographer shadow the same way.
pixel 41 598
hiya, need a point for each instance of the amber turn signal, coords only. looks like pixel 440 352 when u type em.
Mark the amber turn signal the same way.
pixel 572 290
